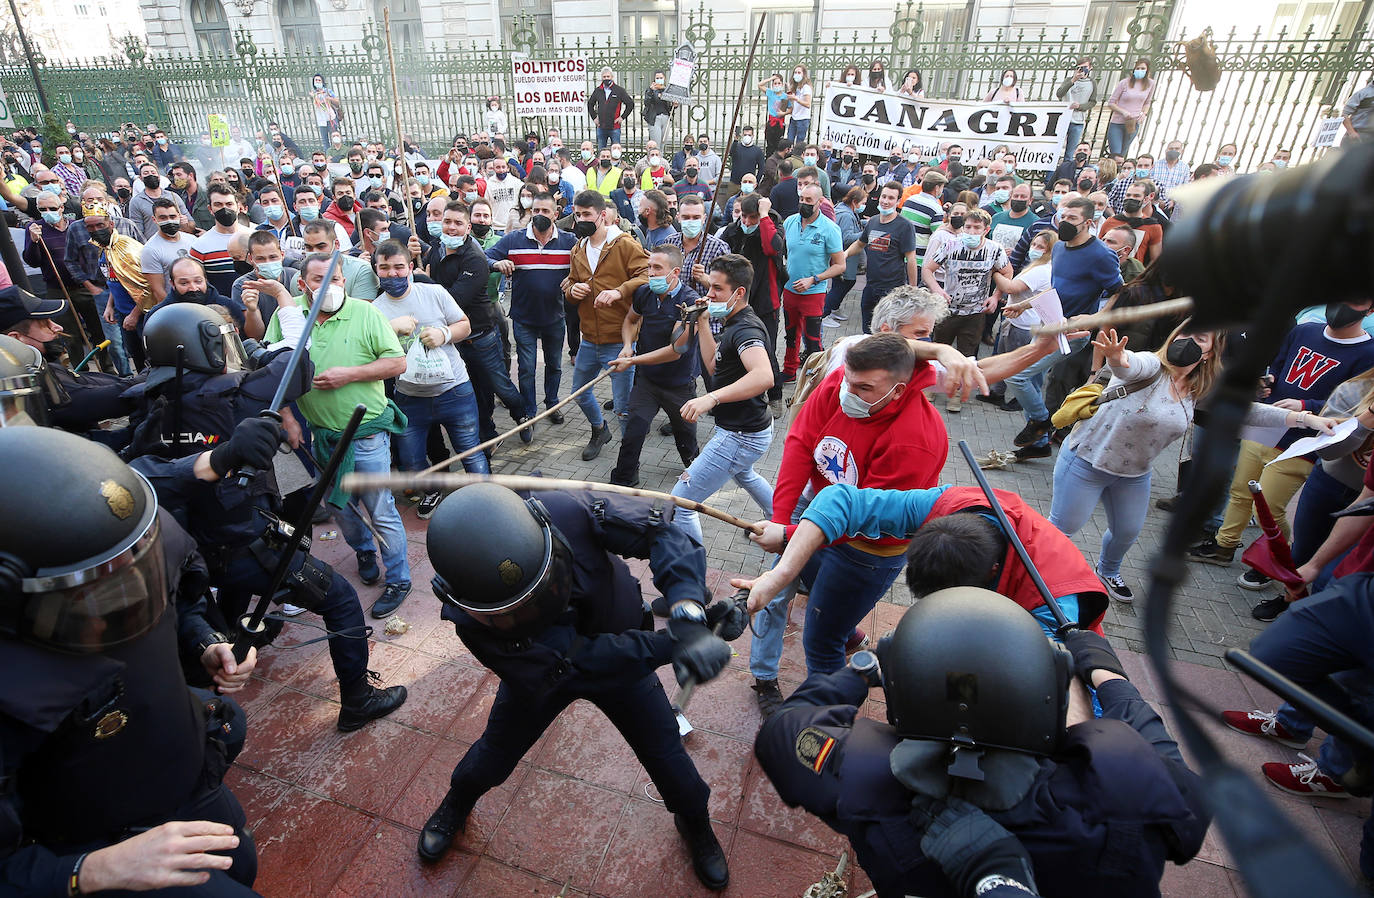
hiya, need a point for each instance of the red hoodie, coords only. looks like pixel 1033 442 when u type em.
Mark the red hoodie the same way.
pixel 902 447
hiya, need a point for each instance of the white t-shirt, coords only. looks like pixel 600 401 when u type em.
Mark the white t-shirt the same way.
pixel 1037 280
pixel 431 306
pixel 503 195
pixel 802 113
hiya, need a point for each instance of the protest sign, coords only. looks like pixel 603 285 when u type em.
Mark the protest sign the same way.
pixel 553 86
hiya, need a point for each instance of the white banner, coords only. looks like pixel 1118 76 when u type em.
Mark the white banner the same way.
pixel 1329 132
pixel 556 86
pixel 878 123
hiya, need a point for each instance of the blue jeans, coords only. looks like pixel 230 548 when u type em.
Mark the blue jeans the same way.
pixel 527 340
pixel 845 585
pixel 1071 140
pixel 797 130
pixel 456 410
pixel 372 455
pixel 486 362
pixel 607 136
pixel 592 359
pixel 1312 522
pixel 726 455
pixel 1118 141
pixel 1025 389
pixel 115 334
pixel 770 624
pixel 839 289
pixel 1078 487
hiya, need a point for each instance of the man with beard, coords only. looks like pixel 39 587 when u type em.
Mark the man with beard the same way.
pixel 189 283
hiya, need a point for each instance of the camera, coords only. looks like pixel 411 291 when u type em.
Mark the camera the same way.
pixel 255 354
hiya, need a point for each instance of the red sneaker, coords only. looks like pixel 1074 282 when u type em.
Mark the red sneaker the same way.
pixel 858 640
pixel 1259 723
pixel 1303 779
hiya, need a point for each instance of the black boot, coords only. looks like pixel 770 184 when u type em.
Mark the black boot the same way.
pixel 446 822
pixel 364 703
pixel 708 858
pixel 600 437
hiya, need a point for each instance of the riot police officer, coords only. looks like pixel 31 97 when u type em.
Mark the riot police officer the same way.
pixel 108 780
pixel 239 527
pixel 976 699
pixel 537 591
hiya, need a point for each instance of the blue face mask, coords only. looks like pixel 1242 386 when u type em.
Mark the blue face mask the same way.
pixel 1001 195
pixel 970 241
pixel 717 309
pixel 470 196
pixel 395 286
pixel 54 189
pixel 274 212
pixel 270 270
pixel 52 217
pixel 423 180
pixel 746 188
pixel 309 213
pixel 65 158
pixel 317 189
pixel 692 228
pixel 1034 253
pixel 451 241
pixel 658 284
pixel 748 229
pixel 435 228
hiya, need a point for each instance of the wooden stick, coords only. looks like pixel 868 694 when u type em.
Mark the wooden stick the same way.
pixel 396 114
pixel 361 483
pixel 71 304
pixel 517 428
pixel 1113 317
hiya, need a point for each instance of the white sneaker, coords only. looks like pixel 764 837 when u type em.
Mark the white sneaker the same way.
pixel 839 316
pixel 829 321
pixel 291 610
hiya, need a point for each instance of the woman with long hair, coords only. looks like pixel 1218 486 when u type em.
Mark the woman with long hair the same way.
pixel 1107 458
pixel 1129 104
pixel 520 214
pixel 850 75
pixel 912 85
pixel 328 109
pixel 877 75
pixel 775 96
pixel 799 92
pixel 1008 91
pixel 1018 318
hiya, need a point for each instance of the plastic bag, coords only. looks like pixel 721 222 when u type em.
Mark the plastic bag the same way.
pixel 1201 57
pixel 426 367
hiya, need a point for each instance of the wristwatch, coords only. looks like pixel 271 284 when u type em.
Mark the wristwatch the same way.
pixel 686 609
pixel 215 638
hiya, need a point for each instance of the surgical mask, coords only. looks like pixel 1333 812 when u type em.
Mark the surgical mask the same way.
pixel 526 201
pixel 1008 81
pixel 65 158
pixel 809 159
pixel 169 227
pixel 1139 73
pixel 395 286
pixel 956 221
pixel 470 196
pixel 886 209
pixel 52 217
pixel 1338 314
pixel 333 299
pixel 423 180
pixel 1001 195
pixel 1225 161
pixel 383 234
pixel 225 217
pixel 1019 205
pixel 309 213
pixel 748 229
pixel 692 227
pixel 658 284
pixel 1183 352
pixel 1172 155
pixel 270 270
pixel 807 210
pixel 162 141
pixel 797 77
pixel 913 158
pixel 1098 215
pixel 747 140
pixel 586 155
pixel 855 407
pixel 746 188
pixel 717 309
pixel 1034 253
pixel 274 212
pixel 435 228
pixel 970 241
pixel 1280 163
pixel 453 241
pixel 1056 198
pixel 657 161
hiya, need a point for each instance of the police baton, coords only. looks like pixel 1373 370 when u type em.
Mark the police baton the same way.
pixel 740 600
pixel 1064 624
pixel 251 629
pixel 293 364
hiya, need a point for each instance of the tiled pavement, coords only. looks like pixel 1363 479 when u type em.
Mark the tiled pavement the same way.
pixel 337 815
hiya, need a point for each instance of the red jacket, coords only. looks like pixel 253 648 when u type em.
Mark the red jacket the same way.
pixel 1063 568
pixel 337 215
pixel 902 447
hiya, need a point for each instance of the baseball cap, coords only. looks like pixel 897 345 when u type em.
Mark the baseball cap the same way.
pixel 19 305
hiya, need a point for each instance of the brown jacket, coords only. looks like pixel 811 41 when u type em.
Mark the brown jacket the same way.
pixel 623 266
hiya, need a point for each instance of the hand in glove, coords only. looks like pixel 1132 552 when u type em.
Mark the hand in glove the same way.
pixel 969 845
pixel 1091 652
pixel 253 443
pixel 727 615
pixel 698 654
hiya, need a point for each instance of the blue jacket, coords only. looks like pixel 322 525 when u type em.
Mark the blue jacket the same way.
pixel 850 230
pixel 624 205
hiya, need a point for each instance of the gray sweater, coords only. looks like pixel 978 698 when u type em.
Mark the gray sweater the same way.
pixel 1080 92
pixel 1346 460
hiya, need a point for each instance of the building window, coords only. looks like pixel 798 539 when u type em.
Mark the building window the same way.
pixel 1105 14
pixel 518 10
pixel 300 25
pixel 407 29
pixel 211 27
pixel 787 24
pixel 102 9
pixel 82 10
pixel 648 20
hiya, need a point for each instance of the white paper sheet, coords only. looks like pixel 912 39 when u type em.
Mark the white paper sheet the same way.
pixel 1051 311
pixel 1321 440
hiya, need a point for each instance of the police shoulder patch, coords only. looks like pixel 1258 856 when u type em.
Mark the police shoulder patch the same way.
pixel 813 748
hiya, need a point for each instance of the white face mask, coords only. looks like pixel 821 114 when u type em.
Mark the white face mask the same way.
pixel 886 209
pixel 1008 81
pixel 333 299
pixel 747 140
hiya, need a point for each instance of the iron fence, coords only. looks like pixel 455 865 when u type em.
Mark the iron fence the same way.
pixel 1272 92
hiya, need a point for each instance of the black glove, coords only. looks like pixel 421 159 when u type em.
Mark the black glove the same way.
pixel 729 616
pixel 1091 652
pixel 698 654
pixel 968 844
pixel 253 443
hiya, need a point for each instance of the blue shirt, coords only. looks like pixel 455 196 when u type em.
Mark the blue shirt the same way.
pixel 660 314
pixel 844 510
pixel 536 299
pixel 1082 274
pixel 808 251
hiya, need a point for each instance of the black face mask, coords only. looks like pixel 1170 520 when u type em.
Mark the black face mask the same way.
pixel 1085 186
pixel 195 296
pixel 1339 315
pixel 54 349
pixel 248 173
pixel 542 222
pixel 1019 205
pixel 225 217
pixel 355 167
pixel 607 82
pixel 101 236
pixel 152 182
pixel 1067 230
pixel 869 179
pixel 703 147
pixel 1183 352
pixel 123 193
pixel 807 210
pixel 584 229
pixel 169 227
pixel 893 159
pixel 605 163
pixel 847 159
pixel 691 174
pixel 345 203
pixel 956 221
pixel 1080 158
pixel 480 230
pixel 1131 206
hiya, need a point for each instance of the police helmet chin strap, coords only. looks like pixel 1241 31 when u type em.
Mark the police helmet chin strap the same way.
pixel 991 778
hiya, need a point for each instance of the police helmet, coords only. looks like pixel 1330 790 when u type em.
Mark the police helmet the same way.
pixel 211 345
pixel 971 667
pixel 92 577
pixel 22 400
pixel 499 558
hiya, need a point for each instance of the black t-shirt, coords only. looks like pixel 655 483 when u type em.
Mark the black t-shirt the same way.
pixel 739 332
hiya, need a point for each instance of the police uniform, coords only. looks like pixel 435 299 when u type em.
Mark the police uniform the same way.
pixel 1100 818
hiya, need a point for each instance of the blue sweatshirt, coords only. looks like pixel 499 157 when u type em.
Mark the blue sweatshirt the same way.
pixel 1082 274
pixel 1310 364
